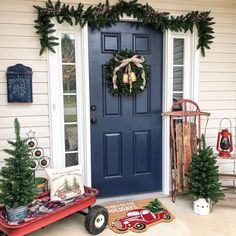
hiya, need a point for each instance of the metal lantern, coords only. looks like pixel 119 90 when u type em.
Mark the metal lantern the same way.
pixel 224 141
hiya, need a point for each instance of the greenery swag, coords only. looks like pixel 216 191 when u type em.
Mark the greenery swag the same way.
pixel 103 13
pixel 128 66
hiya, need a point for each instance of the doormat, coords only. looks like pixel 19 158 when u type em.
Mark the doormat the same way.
pixel 136 215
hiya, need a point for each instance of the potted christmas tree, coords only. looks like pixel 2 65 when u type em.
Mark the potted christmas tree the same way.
pixel 203 181
pixel 17 184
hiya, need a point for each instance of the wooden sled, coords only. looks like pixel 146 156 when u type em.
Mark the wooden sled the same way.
pixel 185 131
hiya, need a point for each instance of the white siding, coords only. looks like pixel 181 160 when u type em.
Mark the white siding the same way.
pixel 20 44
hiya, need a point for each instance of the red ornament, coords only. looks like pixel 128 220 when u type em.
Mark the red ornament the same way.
pixel 44 162
pixel 38 153
pixel 33 165
pixel 31 144
pixel 224 142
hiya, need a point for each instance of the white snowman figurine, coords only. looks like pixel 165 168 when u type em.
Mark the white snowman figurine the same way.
pixel 201 207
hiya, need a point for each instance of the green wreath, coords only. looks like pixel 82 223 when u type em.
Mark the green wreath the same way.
pixel 127 74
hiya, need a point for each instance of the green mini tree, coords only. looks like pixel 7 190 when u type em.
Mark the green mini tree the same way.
pixel 75 183
pixel 203 181
pixel 17 181
pixel 154 206
pixel 66 186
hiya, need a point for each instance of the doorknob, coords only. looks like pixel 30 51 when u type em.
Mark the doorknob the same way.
pixel 93 120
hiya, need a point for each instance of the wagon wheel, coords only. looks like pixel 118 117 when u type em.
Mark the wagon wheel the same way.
pixel 96 220
pixel 167 217
pixel 140 226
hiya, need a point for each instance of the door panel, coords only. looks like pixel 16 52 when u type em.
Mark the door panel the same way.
pixel 112 155
pixel 142 156
pixel 126 139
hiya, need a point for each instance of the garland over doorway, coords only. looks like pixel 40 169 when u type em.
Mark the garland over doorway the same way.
pixel 103 14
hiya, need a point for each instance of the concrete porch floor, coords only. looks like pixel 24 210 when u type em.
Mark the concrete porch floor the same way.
pixel 222 221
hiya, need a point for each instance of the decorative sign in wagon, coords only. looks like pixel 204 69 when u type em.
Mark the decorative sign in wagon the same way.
pixel 19 84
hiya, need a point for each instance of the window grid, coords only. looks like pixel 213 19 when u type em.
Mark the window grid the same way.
pixel 178 69
pixel 69 96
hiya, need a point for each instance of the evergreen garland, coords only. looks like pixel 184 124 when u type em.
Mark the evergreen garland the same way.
pixel 203 181
pixel 17 182
pixel 124 89
pixel 104 14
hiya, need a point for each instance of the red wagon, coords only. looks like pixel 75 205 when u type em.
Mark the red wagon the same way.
pixel 95 220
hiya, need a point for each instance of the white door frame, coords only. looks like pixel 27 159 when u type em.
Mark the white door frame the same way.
pixel 84 105
pixel 191 86
pixel 86 108
pixel 83 101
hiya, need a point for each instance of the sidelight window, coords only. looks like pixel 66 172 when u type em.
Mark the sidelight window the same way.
pixel 68 69
pixel 184 66
pixel 178 68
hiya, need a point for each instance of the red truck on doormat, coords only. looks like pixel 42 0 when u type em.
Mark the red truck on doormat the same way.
pixel 139 219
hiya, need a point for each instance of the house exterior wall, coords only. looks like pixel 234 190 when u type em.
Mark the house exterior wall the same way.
pixel 20 44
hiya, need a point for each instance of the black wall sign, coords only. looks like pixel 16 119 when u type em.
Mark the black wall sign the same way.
pixel 19 83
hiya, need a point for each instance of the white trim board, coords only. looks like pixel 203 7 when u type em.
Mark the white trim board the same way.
pixel 166 104
pixel 125 198
pixel 86 108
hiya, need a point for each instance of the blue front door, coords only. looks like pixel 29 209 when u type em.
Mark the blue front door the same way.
pixel 126 132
